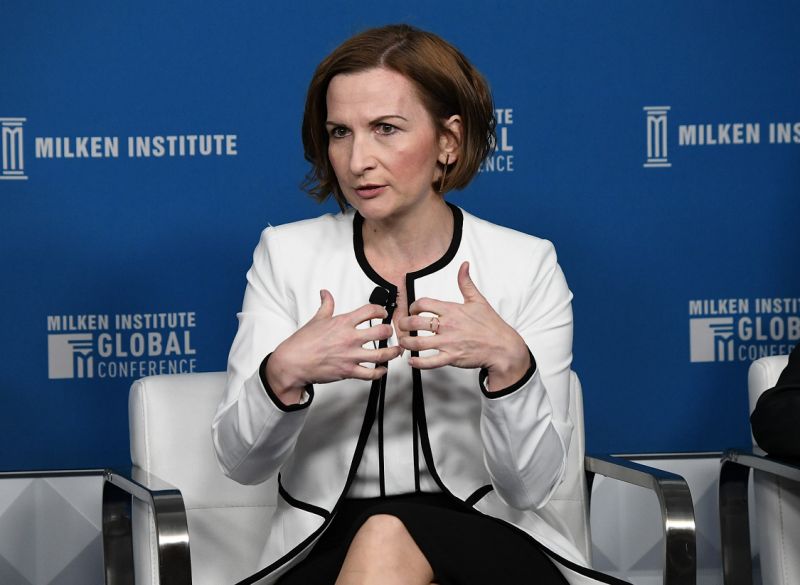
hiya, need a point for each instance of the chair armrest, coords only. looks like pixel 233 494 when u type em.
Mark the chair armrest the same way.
pixel 169 513
pixel 759 460
pixel 677 511
pixel 734 475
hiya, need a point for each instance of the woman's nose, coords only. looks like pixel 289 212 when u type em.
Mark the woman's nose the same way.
pixel 362 156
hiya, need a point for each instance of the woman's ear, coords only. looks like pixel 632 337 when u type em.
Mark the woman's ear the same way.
pixel 450 140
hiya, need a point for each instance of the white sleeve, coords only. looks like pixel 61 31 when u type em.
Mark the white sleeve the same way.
pixel 253 432
pixel 526 427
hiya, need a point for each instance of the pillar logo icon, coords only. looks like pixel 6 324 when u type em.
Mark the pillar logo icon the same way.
pixel 657 155
pixel 12 147
pixel 711 339
pixel 70 355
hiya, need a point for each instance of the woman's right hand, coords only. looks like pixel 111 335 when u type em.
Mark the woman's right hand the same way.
pixel 328 349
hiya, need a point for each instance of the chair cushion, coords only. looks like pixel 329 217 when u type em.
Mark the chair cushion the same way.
pixel 226 543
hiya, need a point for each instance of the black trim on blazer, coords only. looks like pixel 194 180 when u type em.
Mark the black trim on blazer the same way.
pixel 295 503
pixel 284 559
pixel 476 496
pixel 369 419
pixel 361 257
pixel 450 253
pixel 508 389
pixel 417 408
pixel 415 440
pixel 586 571
pixel 418 403
pixel 262 373
pixel 381 400
pixel 423 429
pixel 381 467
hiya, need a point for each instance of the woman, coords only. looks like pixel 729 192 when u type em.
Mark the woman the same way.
pixel 416 411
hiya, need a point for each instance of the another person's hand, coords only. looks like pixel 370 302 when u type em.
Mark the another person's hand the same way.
pixel 468 335
pixel 328 349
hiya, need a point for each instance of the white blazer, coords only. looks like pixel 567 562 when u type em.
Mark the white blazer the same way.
pixel 503 453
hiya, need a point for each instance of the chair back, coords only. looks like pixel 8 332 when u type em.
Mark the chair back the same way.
pixel 777 500
pixel 170 431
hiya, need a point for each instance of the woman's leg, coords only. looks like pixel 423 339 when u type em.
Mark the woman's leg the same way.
pixel 384 553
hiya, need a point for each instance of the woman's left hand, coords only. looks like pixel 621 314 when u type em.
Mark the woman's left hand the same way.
pixel 468 335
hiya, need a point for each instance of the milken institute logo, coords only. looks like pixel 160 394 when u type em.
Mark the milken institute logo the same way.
pixel 742 329
pixel 120 346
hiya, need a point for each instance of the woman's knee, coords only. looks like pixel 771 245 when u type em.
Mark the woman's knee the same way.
pixel 384 527
pixel 384 547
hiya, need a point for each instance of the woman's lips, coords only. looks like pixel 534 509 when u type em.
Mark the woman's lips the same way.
pixel 367 191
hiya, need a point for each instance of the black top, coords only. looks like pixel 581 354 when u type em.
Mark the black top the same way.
pixel 777 412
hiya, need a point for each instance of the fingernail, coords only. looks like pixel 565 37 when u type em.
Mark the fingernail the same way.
pixel 321 296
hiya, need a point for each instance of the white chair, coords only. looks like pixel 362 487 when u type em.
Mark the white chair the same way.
pixel 776 492
pixel 170 419
pixel 170 432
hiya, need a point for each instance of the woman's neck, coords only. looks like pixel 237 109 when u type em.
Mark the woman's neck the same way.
pixel 409 243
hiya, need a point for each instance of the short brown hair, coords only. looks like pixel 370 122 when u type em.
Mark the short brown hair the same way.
pixel 447 83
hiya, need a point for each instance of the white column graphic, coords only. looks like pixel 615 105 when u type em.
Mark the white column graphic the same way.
pixel 711 339
pixel 657 136
pixel 12 147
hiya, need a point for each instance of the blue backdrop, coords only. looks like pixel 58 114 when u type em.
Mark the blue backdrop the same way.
pixel 146 145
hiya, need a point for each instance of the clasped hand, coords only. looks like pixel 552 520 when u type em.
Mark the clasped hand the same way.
pixel 468 335
pixel 330 348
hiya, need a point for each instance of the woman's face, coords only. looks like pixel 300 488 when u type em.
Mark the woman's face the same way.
pixel 383 145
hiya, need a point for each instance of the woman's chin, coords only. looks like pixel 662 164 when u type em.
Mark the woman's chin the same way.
pixel 383 208
pixel 373 209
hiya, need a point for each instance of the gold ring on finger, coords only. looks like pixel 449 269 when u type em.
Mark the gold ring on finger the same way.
pixel 434 325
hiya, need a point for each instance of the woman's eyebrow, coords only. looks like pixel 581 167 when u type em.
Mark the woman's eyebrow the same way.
pixel 377 120
pixel 388 117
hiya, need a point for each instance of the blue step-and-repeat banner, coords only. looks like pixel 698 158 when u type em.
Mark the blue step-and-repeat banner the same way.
pixel 145 145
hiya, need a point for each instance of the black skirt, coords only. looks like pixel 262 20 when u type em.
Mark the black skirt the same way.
pixel 462 546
